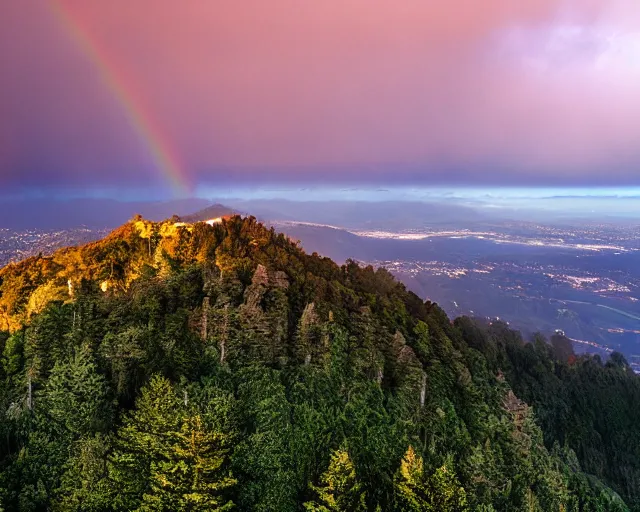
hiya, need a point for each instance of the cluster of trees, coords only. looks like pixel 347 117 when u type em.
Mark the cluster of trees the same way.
pixel 222 368
pixel 580 402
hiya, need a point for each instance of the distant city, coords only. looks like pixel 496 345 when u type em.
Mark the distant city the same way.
pixel 581 280
pixel 16 245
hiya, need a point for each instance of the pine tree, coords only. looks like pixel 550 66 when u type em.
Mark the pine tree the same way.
pixel 339 489
pixel 445 492
pixel 407 375
pixel 45 343
pixel 365 357
pixel 264 458
pixel 408 483
pixel 75 397
pixel 13 358
pixel 439 492
pixel 124 352
pixel 166 459
pixel 192 474
pixel 383 369
pixel 145 438
pixel 84 485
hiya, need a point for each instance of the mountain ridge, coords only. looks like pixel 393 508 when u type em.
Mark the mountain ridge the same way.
pixel 312 365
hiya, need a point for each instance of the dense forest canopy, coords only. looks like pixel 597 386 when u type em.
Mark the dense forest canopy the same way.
pixel 197 367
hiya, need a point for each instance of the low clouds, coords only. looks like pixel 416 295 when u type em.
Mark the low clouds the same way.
pixel 536 91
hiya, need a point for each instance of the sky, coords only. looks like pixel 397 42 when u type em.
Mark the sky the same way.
pixel 205 94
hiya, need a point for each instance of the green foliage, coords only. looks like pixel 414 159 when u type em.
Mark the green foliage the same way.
pixel 13 358
pixel 190 476
pixel 339 489
pixel 75 397
pixel 263 460
pixel 579 402
pixel 145 438
pixel 199 367
pixel 84 484
pixel 166 458
pixel 415 491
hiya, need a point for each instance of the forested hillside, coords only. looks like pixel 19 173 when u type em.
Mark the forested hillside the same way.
pixel 199 367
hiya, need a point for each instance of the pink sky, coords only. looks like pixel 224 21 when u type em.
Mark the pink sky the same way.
pixel 535 88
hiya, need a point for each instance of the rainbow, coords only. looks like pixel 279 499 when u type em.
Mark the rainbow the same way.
pixel 114 79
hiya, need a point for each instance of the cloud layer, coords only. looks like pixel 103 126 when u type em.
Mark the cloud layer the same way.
pixel 535 91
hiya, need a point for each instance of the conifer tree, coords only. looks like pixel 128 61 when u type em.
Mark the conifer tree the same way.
pixel 166 459
pixel 191 475
pixel 439 492
pixel 384 370
pixel 339 489
pixel 75 397
pixel 366 358
pixel 408 483
pixel 124 352
pixel 84 485
pixel 146 437
pixel 445 492
pixel 45 341
pixel 13 358
pixel 263 458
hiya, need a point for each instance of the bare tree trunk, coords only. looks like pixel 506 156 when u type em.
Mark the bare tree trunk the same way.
pixel 29 396
pixel 225 330
pixel 423 390
pixel 205 318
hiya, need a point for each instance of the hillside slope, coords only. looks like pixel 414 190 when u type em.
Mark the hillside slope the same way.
pixel 199 367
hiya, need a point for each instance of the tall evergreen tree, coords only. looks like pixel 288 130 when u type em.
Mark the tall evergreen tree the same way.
pixel 143 441
pixel 75 397
pixel 192 475
pixel 84 485
pixel 339 489
pixel 417 492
